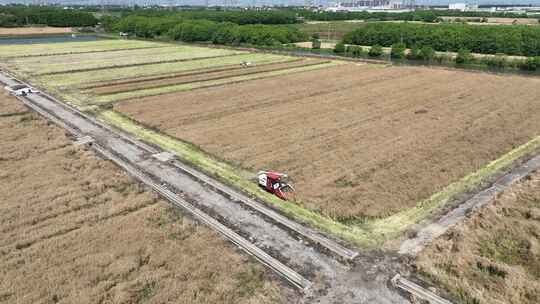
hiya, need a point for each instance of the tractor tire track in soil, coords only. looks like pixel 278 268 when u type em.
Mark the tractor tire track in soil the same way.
pixel 331 279
pixel 198 77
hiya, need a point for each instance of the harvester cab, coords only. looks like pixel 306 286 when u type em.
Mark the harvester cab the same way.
pixel 273 182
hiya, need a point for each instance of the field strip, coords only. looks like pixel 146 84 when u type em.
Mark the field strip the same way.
pixel 87 78
pixel 434 230
pixel 369 234
pixel 284 271
pixel 88 52
pixel 203 77
pixel 7 51
pixel 117 66
pixel 204 84
pixel 230 67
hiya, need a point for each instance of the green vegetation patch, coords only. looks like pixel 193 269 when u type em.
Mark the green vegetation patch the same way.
pixel 510 40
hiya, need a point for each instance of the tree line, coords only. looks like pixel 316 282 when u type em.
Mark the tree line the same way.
pixel 510 40
pixel 238 17
pixel 21 15
pixel 419 15
pixel 463 58
pixel 200 30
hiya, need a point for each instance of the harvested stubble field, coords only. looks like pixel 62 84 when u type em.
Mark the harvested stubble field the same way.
pixel 80 62
pixel 494 255
pixel 91 78
pixel 206 75
pixel 75 229
pixel 356 140
pixel 44 49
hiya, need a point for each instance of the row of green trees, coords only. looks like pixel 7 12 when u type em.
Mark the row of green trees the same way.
pixel 399 51
pixel 510 40
pixel 420 15
pixel 239 17
pixel 21 15
pixel 190 30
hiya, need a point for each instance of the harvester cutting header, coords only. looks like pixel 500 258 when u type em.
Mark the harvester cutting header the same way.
pixel 274 183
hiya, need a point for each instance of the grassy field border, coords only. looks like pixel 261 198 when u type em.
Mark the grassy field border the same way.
pixel 368 233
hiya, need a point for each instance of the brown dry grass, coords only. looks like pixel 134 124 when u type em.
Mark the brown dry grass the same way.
pixel 15 31
pixel 74 229
pixel 356 140
pixel 494 255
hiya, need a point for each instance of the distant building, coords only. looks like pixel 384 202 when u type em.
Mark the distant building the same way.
pixel 367 5
pixel 462 7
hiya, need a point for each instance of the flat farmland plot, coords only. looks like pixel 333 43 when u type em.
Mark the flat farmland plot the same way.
pixel 111 75
pixel 103 60
pixel 154 91
pixel 130 85
pixel 41 49
pixel 356 140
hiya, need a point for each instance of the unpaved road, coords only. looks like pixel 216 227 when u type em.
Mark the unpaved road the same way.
pixel 366 281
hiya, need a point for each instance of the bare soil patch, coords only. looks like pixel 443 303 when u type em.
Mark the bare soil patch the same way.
pixel 15 31
pixel 204 76
pixel 494 255
pixel 356 140
pixel 75 229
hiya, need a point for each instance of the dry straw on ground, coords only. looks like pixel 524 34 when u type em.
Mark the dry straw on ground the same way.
pixel 494 255
pixel 75 229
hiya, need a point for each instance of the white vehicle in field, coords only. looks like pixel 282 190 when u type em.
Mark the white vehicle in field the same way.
pixel 20 90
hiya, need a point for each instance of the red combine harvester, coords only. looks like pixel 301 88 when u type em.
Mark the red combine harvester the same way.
pixel 273 183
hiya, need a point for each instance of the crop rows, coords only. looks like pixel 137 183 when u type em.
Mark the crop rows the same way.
pixel 10 51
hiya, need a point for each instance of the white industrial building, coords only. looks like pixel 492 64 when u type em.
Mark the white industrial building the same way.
pixel 462 6
pixel 367 5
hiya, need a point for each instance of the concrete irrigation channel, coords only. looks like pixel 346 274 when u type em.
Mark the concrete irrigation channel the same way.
pixel 320 267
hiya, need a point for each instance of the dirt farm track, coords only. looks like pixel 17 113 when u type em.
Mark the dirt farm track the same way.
pixel 356 139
